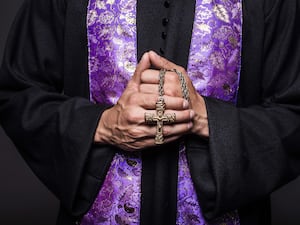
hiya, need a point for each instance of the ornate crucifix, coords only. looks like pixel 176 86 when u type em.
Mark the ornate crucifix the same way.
pixel 160 119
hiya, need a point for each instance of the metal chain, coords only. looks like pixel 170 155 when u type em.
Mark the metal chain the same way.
pixel 162 74
pixel 184 89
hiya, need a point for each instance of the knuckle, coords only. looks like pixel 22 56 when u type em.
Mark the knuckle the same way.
pixel 187 114
pixel 133 99
pixel 134 133
pixel 166 63
pixel 150 100
pixel 132 117
pixel 173 77
pixel 167 131
pixel 144 75
pixel 171 91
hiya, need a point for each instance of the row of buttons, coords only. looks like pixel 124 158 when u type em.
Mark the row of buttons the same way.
pixel 165 22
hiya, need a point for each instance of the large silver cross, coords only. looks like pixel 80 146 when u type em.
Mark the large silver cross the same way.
pixel 160 119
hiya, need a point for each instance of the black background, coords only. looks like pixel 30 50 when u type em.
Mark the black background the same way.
pixel 25 200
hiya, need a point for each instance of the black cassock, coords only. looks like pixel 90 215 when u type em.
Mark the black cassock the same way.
pixel 252 148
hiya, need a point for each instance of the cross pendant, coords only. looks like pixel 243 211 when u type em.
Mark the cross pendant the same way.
pixel 160 119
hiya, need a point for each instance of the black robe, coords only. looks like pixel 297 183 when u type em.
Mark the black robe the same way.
pixel 252 148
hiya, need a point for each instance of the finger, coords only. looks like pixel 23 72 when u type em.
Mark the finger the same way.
pixel 176 103
pixel 170 133
pixel 145 144
pixel 148 101
pixel 149 141
pixel 176 130
pixel 171 138
pixel 142 65
pixel 171 84
pixel 137 116
pixel 162 63
pixel 150 76
pixel 183 116
pixel 149 88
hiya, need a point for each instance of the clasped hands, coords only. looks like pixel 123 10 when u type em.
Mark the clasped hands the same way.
pixel 124 125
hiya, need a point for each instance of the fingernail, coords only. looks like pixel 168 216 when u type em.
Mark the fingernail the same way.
pixel 190 125
pixel 185 104
pixel 192 114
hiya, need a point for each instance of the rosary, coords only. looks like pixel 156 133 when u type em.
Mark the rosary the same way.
pixel 160 118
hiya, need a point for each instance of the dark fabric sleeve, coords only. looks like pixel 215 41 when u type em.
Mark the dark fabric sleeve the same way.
pixel 254 148
pixel 53 132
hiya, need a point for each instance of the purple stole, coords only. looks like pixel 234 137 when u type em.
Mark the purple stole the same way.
pixel 213 66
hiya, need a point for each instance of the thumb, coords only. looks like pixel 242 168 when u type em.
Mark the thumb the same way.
pixel 142 65
pixel 162 63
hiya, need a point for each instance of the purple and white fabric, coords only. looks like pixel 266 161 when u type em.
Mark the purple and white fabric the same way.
pixel 213 66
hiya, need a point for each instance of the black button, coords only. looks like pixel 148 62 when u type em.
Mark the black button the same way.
pixel 164 35
pixel 161 51
pixel 165 21
pixel 167 4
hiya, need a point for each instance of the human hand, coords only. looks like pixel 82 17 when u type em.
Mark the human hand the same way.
pixel 124 126
pixel 172 87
